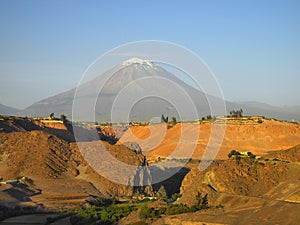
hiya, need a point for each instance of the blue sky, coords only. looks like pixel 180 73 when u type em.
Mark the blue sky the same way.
pixel 253 47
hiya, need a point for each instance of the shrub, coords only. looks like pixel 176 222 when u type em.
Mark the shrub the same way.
pixel 175 196
pixel 174 121
pixel 233 152
pixel 146 212
pixel 177 209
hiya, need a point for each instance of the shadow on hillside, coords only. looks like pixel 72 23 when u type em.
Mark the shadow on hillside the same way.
pixel 21 192
pixel 173 183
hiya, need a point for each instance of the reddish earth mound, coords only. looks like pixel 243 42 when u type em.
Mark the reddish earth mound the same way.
pixel 257 138
pixel 291 154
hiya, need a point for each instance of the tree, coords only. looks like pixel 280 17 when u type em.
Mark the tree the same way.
pixel 233 152
pixel 241 113
pixel 236 113
pixel 251 155
pixel 63 118
pixel 164 119
pixel 174 121
pixel 51 116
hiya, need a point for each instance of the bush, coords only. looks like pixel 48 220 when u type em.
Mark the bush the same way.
pixel 172 209
pixel 146 212
pixel 251 155
pixel 177 209
pixel 175 196
pixel 233 152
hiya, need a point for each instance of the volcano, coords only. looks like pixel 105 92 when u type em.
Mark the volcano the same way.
pixel 140 90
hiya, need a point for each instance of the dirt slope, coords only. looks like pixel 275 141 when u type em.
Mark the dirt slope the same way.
pixel 58 168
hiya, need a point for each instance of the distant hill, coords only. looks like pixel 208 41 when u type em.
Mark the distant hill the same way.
pixel 7 110
pixel 279 112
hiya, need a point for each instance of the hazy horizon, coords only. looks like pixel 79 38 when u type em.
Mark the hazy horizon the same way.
pixel 253 47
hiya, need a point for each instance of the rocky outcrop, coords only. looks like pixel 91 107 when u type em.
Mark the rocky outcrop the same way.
pixel 238 177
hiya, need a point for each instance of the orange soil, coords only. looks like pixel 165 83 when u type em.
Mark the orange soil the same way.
pixel 158 141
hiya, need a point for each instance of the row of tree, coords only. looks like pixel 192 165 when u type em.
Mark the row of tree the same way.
pixel 165 119
pixel 236 113
pixel 63 117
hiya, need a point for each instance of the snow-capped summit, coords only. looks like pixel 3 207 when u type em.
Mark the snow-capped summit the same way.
pixel 138 62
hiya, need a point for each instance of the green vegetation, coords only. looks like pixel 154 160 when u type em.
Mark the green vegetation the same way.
pixel 103 214
pixel 175 196
pixel 107 211
pixel 173 209
pixel 238 154
pixel 247 156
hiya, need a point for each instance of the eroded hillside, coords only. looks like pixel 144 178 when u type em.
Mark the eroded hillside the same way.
pixel 255 137
pixel 66 173
pixel 58 168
